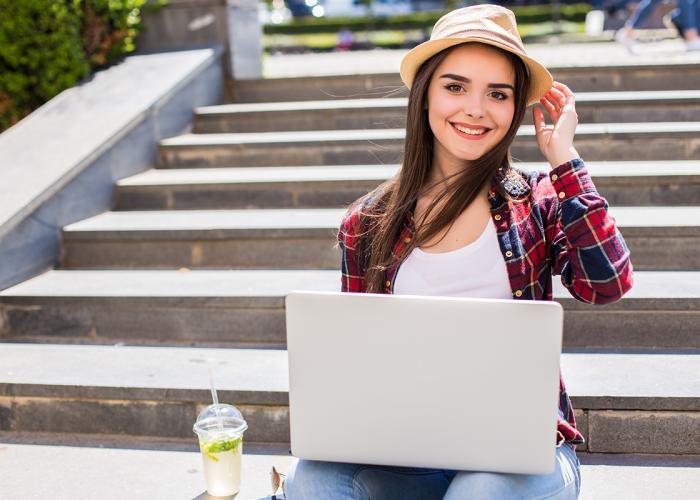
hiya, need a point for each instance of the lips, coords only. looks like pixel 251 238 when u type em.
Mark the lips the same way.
pixel 470 136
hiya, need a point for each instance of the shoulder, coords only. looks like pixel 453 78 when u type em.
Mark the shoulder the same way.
pixel 571 178
pixel 354 221
pixel 548 189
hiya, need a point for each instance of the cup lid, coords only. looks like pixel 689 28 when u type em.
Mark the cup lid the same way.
pixel 220 418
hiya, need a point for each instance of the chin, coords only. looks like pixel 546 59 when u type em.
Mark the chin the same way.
pixel 470 156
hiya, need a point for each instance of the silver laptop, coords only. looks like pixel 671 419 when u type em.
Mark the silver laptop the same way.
pixel 437 382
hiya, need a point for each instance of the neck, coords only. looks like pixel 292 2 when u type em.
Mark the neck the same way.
pixel 444 172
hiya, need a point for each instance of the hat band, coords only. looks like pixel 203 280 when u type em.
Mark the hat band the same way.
pixel 488 35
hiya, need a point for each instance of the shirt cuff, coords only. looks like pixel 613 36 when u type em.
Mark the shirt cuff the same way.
pixel 571 179
pixel 560 439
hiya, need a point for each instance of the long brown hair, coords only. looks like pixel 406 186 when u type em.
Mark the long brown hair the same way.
pixel 383 210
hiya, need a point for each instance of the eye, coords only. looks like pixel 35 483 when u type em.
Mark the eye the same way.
pixel 451 86
pixel 499 95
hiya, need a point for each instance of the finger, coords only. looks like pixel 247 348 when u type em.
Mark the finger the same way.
pixel 566 90
pixel 551 107
pixel 563 90
pixel 567 102
pixel 548 103
pixel 540 125
pixel 554 96
pixel 556 101
pixel 570 97
pixel 561 97
pixel 537 117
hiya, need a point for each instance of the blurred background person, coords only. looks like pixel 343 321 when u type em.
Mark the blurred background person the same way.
pixel 626 35
pixel 685 22
pixel 345 39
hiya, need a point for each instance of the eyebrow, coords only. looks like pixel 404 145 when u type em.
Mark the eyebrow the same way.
pixel 467 80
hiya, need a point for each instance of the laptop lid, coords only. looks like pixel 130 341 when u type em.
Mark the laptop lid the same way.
pixel 437 382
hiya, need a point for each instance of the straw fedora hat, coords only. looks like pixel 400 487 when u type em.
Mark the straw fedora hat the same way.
pixel 489 24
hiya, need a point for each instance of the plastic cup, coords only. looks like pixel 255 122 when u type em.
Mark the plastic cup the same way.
pixel 220 429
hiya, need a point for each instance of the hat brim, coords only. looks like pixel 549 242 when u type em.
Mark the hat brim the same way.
pixel 540 79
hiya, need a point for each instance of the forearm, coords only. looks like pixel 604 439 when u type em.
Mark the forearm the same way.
pixel 588 250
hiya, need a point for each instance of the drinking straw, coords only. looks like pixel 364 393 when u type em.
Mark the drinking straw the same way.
pixel 214 396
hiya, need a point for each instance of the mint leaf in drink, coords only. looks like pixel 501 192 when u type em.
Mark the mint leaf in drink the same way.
pixel 212 447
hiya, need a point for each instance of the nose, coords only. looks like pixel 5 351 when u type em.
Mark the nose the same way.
pixel 473 105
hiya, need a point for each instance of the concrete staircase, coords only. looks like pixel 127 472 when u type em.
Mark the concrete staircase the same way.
pixel 192 266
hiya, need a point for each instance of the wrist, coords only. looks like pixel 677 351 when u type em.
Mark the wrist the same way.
pixel 564 156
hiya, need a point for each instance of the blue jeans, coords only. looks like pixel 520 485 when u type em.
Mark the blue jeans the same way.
pixel 646 8
pixel 309 479
pixel 688 14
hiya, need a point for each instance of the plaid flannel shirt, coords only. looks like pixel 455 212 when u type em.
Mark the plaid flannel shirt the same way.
pixel 555 224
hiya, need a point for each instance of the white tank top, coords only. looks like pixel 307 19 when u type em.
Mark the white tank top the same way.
pixel 477 270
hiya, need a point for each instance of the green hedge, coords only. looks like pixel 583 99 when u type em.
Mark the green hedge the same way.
pixel 47 46
pixel 531 14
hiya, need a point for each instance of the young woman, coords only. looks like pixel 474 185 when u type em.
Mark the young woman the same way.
pixel 459 220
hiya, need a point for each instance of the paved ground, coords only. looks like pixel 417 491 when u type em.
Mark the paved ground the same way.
pixel 552 55
pixel 78 473
pixel 110 473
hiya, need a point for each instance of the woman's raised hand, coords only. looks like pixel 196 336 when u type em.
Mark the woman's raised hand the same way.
pixel 556 141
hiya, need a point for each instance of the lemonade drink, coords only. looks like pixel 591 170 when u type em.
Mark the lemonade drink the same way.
pixel 222 465
pixel 220 430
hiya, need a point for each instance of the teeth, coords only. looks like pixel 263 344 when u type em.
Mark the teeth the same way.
pixel 469 131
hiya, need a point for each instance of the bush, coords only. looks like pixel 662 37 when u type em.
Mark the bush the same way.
pixel 110 29
pixel 40 54
pixel 47 46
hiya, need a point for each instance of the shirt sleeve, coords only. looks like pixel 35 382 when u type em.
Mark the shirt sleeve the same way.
pixel 352 275
pixel 587 249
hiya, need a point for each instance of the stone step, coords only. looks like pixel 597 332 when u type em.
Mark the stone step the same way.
pixel 178 474
pixel 592 107
pixel 660 238
pixel 76 473
pixel 585 78
pixel 251 187
pixel 157 392
pixel 638 477
pixel 638 183
pixel 239 239
pixel 246 309
pixel 595 142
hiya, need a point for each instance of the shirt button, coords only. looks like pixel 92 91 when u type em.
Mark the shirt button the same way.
pixel 498 217
pixel 388 284
pixel 555 177
pixel 518 293
pixel 407 240
pixel 561 195
pixel 509 253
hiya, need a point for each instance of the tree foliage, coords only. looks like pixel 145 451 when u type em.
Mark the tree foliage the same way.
pixel 47 46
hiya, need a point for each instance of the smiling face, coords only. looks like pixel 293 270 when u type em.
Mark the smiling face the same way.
pixel 471 103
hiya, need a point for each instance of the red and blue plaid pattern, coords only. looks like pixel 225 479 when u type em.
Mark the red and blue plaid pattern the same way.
pixel 555 224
